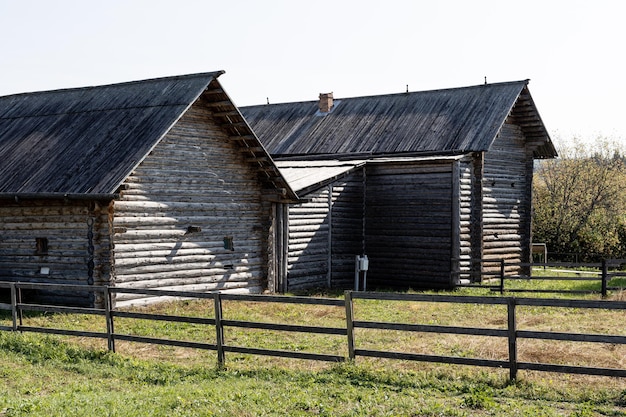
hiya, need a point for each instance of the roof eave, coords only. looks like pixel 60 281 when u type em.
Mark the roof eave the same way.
pixel 527 115
pixel 227 114
pixel 59 196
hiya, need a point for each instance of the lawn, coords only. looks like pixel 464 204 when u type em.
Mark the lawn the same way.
pixel 46 375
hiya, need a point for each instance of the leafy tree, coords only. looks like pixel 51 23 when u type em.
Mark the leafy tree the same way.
pixel 579 201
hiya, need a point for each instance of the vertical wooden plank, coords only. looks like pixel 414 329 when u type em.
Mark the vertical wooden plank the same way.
pixel 20 313
pixel 455 225
pixel 356 273
pixel 285 252
pixel 512 325
pixel 109 319
pixel 349 324
pixel 502 272
pixel 14 306
pixel 364 211
pixel 274 250
pixel 526 227
pixel 476 222
pixel 605 277
pixel 329 259
pixel 219 330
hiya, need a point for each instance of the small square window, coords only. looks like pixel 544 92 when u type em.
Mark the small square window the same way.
pixel 41 246
pixel 228 243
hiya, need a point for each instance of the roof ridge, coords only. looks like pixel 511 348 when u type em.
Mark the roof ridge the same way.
pixel 524 82
pixel 214 74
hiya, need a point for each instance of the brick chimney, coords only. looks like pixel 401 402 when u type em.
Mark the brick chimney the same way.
pixel 326 102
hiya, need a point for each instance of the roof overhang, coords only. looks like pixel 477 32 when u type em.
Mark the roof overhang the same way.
pixel 228 116
pixel 526 115
pixel 57 196
pixel 306 176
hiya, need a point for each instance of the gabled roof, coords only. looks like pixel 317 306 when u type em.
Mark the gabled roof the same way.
pixel 86 141
pixel 450 121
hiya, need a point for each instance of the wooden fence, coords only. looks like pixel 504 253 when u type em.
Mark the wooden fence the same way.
pixel 601 273
pixel 510 333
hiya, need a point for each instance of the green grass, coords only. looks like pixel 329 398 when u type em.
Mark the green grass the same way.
pixel 44 375
pixel 592 282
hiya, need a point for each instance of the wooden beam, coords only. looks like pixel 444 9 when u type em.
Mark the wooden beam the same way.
pixel 220 103
pixel 227 113
pixel 215 91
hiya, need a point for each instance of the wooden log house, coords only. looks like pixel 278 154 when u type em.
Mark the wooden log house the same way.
pixel 446 182
pixel 150 184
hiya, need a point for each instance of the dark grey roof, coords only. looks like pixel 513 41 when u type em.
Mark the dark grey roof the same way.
pixel 86 141
pixel 457 120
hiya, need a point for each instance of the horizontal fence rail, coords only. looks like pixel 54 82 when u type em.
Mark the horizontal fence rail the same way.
pixel 509 332
pixel 494 270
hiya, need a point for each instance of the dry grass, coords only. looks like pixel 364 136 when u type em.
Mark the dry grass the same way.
pixel 447 314
pixel 529 350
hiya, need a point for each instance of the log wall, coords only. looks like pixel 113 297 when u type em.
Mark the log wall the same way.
pixel 347 231
pixel 309 231
pixel 192 216
pixel 507 199
pixel 466 216
pixel 410 227
pixel 78 249
pixel 325 235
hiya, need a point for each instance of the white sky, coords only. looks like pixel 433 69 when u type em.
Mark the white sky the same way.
pixel 291 50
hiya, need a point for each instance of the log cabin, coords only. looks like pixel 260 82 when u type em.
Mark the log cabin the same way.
pixel 156 184
pixel 442 193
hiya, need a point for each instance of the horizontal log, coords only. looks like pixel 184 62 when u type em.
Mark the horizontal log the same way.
pixel 127 300
pixel 122 278
pixel 215 260
pixel 241 221
pixel 174 282
pixel 225 266
pixel 298 230
pixel 164 206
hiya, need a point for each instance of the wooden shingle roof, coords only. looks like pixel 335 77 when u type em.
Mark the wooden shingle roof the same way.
pixel 86 141
pixel 449 121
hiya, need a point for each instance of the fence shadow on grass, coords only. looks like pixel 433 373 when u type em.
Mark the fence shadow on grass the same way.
pixel 509 331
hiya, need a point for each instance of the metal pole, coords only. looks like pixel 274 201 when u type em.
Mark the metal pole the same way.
pixel 365 280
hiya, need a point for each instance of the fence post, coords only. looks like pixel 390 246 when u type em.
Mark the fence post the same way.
pixel 18 301
pixel 511 302
pixel 501 276
pixel 349 324
pixel 14 305
pixel 109 319
pixel 605 277
pixel 219 330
